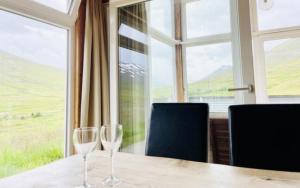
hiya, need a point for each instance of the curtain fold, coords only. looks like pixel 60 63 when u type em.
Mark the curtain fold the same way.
pixel 92 76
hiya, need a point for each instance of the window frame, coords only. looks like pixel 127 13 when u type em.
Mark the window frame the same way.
pixel 167 40
pixel 241 46
pixel 259 37
pixel 39 12
pixel 239 52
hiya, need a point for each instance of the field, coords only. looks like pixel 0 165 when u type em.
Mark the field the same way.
pixel 31 114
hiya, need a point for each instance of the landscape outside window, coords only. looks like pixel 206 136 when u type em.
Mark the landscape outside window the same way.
pixel 282 59
pixel 281 50
pixel 209 65
pixel 33 67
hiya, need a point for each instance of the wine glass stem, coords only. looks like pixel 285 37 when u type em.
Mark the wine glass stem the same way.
pixel 112 163
pixel 85 171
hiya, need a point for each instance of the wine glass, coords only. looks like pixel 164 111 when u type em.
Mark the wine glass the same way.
pixel 111 138
pixel 85 141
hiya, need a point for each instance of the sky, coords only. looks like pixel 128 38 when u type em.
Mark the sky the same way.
pixel 33 40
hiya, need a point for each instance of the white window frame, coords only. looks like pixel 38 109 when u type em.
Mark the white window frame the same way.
pixel 241 45
pixel 243 74
pixel 259 37
pixel 165 39
pixel 45 14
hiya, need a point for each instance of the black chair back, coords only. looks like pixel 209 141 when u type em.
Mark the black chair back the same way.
pixel 178 130
pixel 265 136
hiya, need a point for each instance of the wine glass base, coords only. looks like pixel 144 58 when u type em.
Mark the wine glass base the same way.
pixel 84 186
pixel 111 181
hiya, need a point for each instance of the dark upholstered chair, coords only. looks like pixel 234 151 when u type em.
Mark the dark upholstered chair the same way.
pixel 178 130
pixel 265 136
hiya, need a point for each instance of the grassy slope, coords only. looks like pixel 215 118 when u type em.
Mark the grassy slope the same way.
pixel 283 74
pixel 31 114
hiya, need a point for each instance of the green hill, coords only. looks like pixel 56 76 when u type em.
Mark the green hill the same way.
pixel 32 112
pixel 283 75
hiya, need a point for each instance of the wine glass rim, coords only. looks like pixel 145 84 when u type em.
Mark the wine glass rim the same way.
pixel 86 129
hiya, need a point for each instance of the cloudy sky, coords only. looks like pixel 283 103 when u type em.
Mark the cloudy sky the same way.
pixel 33 40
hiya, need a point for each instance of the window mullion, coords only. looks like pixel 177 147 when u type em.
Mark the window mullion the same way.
pixel 242 42
pixel 214 39
pixel 178 52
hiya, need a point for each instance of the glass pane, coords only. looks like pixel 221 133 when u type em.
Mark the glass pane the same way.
pixel 207 17
pixel 33 69
pixel 281 13
pixel 282 58
pixel 209 75
pixel 61 5
pixel 133 66
pixel 162 74
pixel 161 16
pixel 146 69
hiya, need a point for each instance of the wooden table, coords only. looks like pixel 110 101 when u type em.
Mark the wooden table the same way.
pixel 152 172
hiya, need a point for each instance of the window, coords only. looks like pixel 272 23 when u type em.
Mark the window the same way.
pixel 282 59
pixel 61 5
pixel 33 69
pixel 207 17
pixel 164 11
pixel 146 66
pixel 279 14
pixel 277 50
pixel 162 72
pixel 208 53
pixel 209 75
pixel 178 51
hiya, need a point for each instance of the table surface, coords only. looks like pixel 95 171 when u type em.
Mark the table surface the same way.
pixel 153 172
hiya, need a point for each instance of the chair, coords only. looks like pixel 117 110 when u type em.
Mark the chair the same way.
pixel 265 136
pixel 178 130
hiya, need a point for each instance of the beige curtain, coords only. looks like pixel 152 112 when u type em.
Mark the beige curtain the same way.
pixel 92 89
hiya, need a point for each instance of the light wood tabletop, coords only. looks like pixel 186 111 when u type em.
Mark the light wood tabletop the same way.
pixel 152 172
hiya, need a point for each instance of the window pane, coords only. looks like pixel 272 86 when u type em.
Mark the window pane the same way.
pixel 283 13
pixel 207 17
pixel 162 66
pixel 209 75
pixel 61 5
pixel 133 68
pixel 282 58
pixel 161 14
pixel 146 74
pixel 33 68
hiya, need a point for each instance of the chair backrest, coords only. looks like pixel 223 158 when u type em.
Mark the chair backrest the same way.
pixel 178 130
pixel 265 136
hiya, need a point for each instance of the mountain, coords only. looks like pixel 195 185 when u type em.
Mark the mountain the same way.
pixel 282 70
pixel 283 75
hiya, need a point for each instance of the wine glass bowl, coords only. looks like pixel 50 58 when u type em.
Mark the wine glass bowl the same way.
pixel 85 141
pixel 111 139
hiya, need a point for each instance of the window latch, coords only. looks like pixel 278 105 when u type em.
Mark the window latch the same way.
pixel 249 88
